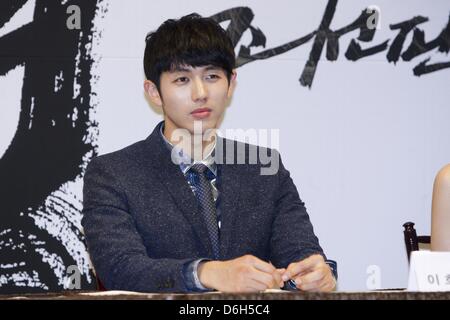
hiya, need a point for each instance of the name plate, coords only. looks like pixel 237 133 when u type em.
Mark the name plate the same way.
pixel 429 271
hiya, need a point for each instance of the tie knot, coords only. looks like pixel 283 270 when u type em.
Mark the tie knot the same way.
pixel 199 168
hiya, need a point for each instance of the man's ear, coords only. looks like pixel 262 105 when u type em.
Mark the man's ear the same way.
pixel 232 85
pixel 153 93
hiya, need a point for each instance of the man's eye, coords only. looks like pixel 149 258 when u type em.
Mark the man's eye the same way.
pixel 181 80
pixel 213 76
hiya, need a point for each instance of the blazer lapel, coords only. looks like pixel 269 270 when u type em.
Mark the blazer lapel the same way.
pixel 176 185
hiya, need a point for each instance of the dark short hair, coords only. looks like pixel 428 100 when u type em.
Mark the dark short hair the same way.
pixel 191 40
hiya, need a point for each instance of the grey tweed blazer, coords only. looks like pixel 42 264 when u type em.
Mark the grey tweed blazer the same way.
pixel 143 225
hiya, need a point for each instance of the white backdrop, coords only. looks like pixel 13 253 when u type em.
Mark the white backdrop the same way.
pixel 362 144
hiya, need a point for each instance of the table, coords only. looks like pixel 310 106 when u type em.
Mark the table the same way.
pixel 269 295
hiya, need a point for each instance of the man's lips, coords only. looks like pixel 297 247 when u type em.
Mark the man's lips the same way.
pixel 201 113
pixel 200 110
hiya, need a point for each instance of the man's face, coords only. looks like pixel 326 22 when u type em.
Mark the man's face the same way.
pixel 189 94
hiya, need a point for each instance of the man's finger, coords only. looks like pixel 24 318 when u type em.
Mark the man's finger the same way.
pixel 310 277
pixel 296 268
pixel 262 265
pixel 325 284
pixel 277 277
pixel 311 286
pixel 252 286
pixel 310 262
pixel 257 286
pixel 267 279
pixel 328 285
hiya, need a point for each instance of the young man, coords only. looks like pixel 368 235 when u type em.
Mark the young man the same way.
pixel 161 216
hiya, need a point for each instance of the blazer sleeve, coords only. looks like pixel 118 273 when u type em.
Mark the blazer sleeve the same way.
pixel 115 246
pixel 293 237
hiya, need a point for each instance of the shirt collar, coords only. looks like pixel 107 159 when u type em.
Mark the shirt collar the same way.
pixel 184 160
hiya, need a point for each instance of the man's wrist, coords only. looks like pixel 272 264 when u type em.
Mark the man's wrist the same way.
pixel 191 276
pixel 197 282
pixel 207 272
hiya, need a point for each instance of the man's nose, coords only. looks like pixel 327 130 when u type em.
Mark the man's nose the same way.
pixel 199 90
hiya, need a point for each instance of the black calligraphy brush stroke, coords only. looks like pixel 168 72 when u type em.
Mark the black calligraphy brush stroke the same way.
pixel 27 250
pixel 10 57
pixel 405 27
pixel 8 8
pixel 241 17
pixel 258 37
pixel 355 52
pixel 240 20
pixel 419 46
pixel 244 56
pixel 422 68
pixel 52 141
pixel 309 70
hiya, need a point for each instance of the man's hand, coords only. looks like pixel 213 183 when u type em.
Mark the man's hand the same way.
pixel 243 274
pixel 311 274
